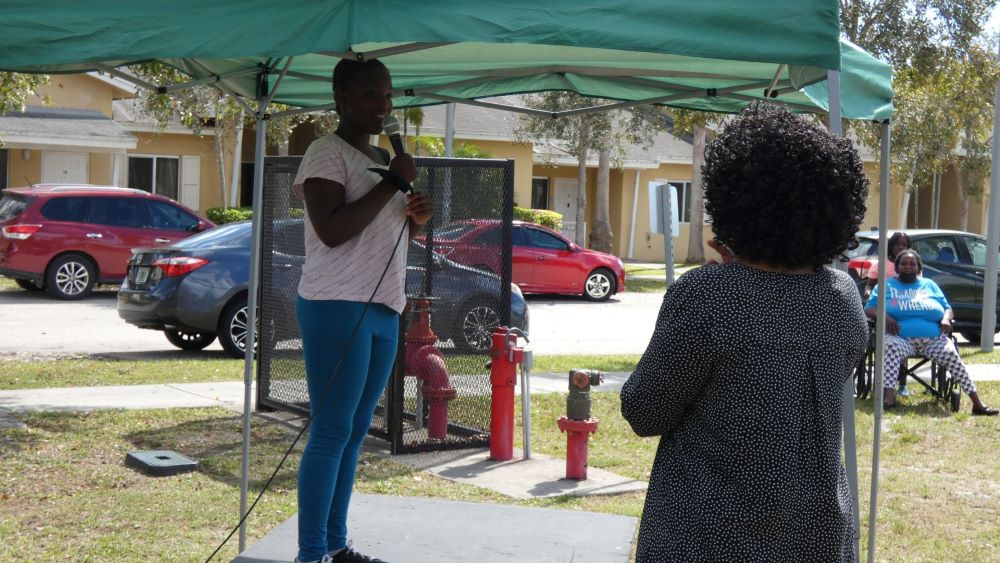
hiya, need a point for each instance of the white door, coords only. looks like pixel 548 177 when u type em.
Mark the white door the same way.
pixel 564 201
pixel 191 181
pixel 65 167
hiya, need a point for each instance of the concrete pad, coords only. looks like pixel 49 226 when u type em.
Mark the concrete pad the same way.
pixel 538 477
pixel 404 530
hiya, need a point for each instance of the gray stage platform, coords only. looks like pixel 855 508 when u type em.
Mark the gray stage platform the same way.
pixel 420 530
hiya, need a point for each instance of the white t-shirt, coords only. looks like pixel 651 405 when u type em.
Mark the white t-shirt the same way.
pixel 349 271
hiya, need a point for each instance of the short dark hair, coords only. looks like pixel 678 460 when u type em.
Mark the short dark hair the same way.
pixel 782 191
pixel 348 70
pixel 896 237
pixel 914 254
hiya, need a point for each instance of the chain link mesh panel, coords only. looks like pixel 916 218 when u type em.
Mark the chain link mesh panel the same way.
pixel 460 264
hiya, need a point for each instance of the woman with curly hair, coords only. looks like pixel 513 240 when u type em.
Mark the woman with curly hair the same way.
pixel 744 374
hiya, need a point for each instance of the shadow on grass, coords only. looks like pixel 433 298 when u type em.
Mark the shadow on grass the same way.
pixel 921 404
pixel 216 443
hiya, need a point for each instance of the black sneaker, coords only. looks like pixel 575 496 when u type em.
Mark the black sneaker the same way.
pixel 348 555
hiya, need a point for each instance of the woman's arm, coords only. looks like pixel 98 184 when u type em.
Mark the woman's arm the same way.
pixel 677 363
pixel 336 221
pixel 891 326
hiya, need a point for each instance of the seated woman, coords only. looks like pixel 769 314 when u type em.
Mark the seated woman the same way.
pixel 918 323
pixel 898 242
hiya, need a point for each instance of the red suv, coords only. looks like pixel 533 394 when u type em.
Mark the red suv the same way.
pixel 67 238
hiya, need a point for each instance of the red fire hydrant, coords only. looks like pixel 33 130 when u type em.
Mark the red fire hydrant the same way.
pixel 505 356
pixel 425 361
pixel 578 424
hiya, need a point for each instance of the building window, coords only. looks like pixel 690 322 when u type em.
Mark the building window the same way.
pixel 539 193
pixel 155 174
pixel 683 200
pixel 3 168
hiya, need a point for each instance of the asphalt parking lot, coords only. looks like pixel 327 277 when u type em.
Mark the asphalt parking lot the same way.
pixel 34 325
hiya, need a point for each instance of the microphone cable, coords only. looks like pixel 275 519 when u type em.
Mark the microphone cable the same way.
pixel 309 418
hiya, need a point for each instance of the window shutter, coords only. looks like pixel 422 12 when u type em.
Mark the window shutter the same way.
pixel 191 181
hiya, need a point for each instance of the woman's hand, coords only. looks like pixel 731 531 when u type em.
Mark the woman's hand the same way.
pixel 946 327
pixel 419 208
pixel 726 254
pixel 404 167
pixel 891 326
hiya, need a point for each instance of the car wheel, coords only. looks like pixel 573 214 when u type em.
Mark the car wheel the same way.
pixel 189 340
pixel 474 326
pixel 600 285
pixel 27 284
pixel 71 276
pixel 233 327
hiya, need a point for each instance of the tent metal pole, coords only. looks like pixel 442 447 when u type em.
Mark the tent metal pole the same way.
pixel 208 80
pixel 883 256
pixel 255 259
pixel 689 93
pixel 847 403
pixel 988 328
pixel 127 77
pixel 378 53
pixel 774 82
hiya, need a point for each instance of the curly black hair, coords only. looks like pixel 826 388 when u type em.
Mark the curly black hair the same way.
pixel 782 191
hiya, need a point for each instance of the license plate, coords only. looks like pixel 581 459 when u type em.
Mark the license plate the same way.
pixel 141 274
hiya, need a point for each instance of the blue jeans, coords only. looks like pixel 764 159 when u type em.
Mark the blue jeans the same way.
pixel 342 405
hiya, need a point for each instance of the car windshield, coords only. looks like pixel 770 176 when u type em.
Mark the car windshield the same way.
pixel 866 247
pixel 233 234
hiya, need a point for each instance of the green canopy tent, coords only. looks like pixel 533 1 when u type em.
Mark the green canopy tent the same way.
pixel 713 56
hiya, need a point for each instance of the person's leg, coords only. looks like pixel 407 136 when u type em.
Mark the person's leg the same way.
pixel 326 328
pixel 383 325
pixel 896 351
pixel 942 350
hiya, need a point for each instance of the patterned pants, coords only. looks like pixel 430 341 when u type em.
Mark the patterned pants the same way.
pixel 941 350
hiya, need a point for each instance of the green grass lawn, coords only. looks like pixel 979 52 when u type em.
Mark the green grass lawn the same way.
pixel 66 494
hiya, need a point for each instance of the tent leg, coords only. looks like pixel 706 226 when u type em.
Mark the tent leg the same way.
pixel 988 327
pixel 258 199
pixel 847 403
pixel 883 220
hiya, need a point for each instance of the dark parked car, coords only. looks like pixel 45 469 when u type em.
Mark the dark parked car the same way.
pixel 196 290
pixel 67 238
pixel 955 260
pixel 543 260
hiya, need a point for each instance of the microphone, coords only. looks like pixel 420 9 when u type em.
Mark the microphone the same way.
pixel 391 127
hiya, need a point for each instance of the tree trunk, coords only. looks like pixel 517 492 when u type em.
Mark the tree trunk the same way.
pixel 905 208
pixel 696 243
pixel 234 175
pixel 602 237
pixel 583 150
pixel 219 134
pixel 580 237
pixel 963 197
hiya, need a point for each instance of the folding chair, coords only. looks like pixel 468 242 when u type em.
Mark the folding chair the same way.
pixel 941 384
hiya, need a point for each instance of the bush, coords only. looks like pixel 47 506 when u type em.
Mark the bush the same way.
pixel 544 217
pixel 221 216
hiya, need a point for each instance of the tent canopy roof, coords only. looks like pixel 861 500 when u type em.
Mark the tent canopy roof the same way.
pixel 713 56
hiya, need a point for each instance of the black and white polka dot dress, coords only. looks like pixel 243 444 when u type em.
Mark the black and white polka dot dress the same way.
pixel 743 380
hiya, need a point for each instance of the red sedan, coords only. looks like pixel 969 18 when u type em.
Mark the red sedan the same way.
pixel 543 260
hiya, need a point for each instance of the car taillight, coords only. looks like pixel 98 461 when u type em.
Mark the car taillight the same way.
pixel 172 267
pixel 19 232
